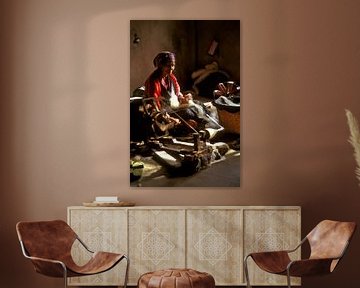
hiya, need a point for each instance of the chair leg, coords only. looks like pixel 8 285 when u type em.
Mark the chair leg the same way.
pixel 65 275
pixel 246 272
pixel 127 271
pixel 288 278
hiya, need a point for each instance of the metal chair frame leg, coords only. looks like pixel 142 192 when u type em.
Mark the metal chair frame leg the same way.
pixel 288 274
pixel 127 270
pixel 65 275
pixel 246 271
pixel 288 279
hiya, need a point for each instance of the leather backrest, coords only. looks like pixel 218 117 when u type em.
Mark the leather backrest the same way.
pixel 46 239
pixel 329 239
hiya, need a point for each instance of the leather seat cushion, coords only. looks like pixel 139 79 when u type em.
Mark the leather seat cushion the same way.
pixel 176 278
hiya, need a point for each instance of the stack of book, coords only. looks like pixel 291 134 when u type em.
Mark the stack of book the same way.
pixel 106 199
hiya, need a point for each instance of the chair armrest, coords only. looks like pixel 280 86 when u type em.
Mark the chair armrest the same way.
pixel 269 253
pixel 283 251
pixel 298 246
pixel 32 258
pixel 49 267
pixel 309 267
pixel 84 245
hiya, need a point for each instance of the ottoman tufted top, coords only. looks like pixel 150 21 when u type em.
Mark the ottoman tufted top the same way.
pixel 176 278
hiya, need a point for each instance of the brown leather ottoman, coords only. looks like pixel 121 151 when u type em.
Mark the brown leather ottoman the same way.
pixel 176 278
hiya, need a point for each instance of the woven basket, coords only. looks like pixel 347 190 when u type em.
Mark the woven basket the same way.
pixel 230 120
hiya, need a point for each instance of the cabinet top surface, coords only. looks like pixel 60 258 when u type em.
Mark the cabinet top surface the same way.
pixel 191 207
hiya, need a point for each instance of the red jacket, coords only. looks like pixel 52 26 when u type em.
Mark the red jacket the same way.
pixel 156 86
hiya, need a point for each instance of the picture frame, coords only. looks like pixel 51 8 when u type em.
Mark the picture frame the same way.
pixel 185 123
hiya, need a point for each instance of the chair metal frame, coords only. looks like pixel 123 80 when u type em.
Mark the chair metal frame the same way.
pixel 65 270
pixel 288 276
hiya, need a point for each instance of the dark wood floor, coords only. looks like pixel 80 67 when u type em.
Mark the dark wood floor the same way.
pixel 221 174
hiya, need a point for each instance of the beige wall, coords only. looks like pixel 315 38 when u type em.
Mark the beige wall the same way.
pixel 64 112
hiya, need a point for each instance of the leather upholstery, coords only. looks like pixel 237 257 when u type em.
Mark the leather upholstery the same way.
pixel 272 262
pixel 328 242
pixel 328 238
pixel 53 240
pixel 176 278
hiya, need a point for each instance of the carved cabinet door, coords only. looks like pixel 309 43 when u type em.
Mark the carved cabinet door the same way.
pixel 214 244
pixel 156 240
pixel 101 230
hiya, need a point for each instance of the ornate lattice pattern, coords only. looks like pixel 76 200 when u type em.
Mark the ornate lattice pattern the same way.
pixel 156 246
pixel 213 246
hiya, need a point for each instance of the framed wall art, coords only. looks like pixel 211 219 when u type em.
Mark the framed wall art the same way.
pixel 185 103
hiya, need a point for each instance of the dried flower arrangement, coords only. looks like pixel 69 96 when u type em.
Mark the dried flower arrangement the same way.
pixel 354 140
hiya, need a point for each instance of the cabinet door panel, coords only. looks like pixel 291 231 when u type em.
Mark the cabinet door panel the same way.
pixel 100 230
pixel 157 240
pixel 214 244
pixel 269 230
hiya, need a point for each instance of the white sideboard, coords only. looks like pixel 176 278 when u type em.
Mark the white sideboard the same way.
pixel 211 239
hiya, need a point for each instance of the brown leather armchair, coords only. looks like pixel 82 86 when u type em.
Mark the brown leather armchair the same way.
pixel 328 242
pixel 48 245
